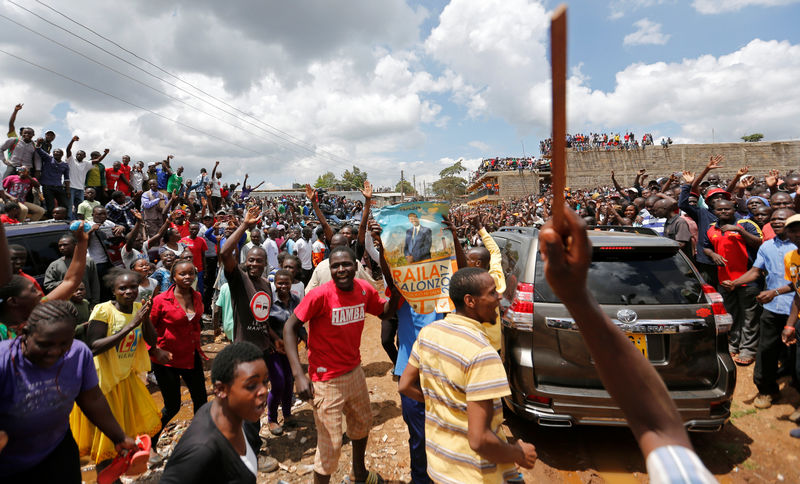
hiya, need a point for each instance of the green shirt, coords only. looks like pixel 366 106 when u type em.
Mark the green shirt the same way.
pixel 226 307
pixel 86 208
pixel 93 177
pixel 174 183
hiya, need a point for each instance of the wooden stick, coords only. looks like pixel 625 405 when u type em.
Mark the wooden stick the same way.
pixel 558 63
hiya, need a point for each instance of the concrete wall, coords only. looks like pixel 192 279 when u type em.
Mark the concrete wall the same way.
pixel 516 185
pixel 589 169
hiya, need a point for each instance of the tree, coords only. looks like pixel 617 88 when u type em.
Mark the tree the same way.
pixel 406 187
pixel 450 186
pixel 752 138
pixel 326 180
pixel 353 180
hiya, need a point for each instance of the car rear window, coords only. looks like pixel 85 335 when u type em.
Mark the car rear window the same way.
pixel 632 277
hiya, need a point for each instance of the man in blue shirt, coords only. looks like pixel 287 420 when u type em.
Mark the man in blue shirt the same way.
pixel 777 301
pixel 162 175
pixel 54 178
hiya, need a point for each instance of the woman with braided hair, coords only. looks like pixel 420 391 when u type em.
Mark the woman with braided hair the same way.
pixel 115 334
pixel 43 373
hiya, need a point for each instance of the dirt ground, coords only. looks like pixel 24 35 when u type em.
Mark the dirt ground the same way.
pixel 753 447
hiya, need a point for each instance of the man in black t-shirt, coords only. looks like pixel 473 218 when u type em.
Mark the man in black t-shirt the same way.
pixel 251 292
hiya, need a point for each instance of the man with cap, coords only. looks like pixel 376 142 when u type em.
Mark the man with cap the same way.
pixel 789 333
pixel 777 300
pixel 702 216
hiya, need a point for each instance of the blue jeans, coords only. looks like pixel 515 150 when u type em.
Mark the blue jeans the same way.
pixel 75 198
pixel 414 417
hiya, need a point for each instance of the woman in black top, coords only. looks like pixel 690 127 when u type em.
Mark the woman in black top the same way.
pixel 216 448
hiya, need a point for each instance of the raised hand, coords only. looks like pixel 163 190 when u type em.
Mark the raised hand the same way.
pixel 367 191
pixel 18 107
pixel 772 178
pixel 252 217
pixel 309 192
pixel 76 138
pixel 137 214
pixel 106 151
pixel 743 171
pixel 688 176
pixel 714 162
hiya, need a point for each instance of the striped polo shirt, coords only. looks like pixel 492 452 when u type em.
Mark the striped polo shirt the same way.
pixel 457 364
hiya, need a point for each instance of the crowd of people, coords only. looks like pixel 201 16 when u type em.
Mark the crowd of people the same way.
pixel 509 164
pixel 601 142
pixel 154 258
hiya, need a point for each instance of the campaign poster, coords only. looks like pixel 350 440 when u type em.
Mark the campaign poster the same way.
pixel 420 253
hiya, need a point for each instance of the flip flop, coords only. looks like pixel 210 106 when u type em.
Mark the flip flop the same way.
pixel 122 463
pixel 743 361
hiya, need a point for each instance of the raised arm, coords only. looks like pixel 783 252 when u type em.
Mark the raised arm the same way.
pixel 227 254
pixel 69 146
pixel 616 184
pixel 135 232
pixel 161 231
pixel 461 258
pixel 13 118
pixel 312 195
pixel 214 171
pixel 74 275
pixel 102 157
pixel 362 227
pixel 735 180
pixel 713 163
pixel 650 411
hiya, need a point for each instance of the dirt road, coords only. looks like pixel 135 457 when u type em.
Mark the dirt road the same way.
pixel 753 447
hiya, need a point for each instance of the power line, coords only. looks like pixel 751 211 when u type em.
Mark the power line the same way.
pixel 51 71
pixel 127 76
pixel 299 144
pixel 177 77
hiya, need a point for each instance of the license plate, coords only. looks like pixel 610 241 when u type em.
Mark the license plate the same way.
pixel 639 341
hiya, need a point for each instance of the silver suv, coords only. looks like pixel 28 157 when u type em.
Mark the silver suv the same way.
pixel 652 292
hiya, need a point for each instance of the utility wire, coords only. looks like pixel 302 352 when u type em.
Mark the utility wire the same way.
pixel 178 78
pixel 127 76
pixel 309 149
pixel 51 71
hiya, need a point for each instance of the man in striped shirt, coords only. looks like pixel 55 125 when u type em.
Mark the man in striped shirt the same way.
pixel 460 377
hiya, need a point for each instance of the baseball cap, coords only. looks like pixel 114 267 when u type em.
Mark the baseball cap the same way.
pixel 718 191
pixel 152 163
pixel 791 220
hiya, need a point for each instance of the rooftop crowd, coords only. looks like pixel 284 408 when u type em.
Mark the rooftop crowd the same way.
pixel 158 256
pixel 603 142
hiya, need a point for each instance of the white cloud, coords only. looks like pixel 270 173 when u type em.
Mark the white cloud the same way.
pixel 479 145
pixel 618 8
pixel 722 6
pixel 647 33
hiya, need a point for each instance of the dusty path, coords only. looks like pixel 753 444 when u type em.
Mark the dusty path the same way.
pixel 753 447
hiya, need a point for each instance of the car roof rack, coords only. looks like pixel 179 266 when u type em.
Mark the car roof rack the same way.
pixel 625 228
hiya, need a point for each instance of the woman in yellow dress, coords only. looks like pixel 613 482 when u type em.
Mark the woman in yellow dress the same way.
pixel 115 333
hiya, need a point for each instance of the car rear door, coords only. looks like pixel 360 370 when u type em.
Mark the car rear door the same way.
pixel 654 296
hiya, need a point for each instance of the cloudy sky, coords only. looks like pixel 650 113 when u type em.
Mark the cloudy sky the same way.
pixel 285 91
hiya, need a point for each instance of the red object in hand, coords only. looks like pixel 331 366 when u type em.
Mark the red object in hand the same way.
pixel 131 464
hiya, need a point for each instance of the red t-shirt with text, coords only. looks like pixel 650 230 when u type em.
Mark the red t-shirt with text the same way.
pixel 335 322
pixel 198 247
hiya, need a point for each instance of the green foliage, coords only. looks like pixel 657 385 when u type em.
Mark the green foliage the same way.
pixel 326 180
pixel 752 138
pixel 450 186
pixel 454 170
pixel 406 187
pixel 353 180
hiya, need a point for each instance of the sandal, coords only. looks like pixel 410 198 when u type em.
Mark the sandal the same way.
pixel 743 361
pixel 275 429
pixel 372 478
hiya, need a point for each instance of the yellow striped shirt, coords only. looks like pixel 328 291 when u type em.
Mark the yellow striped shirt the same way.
pixel 457 364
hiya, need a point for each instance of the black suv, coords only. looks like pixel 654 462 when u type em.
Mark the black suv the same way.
pixel 652 292
pixel 41 241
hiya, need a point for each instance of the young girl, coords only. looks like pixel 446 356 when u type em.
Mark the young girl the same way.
pixel 45 373
pixel 163 274
pixel 116 330
pixel 281 391
pixel 148 287
pixel 177 317
pixel 216 447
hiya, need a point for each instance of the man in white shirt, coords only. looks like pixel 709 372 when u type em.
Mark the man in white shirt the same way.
pixel 302 249
pixel 77 177
pixel 272 247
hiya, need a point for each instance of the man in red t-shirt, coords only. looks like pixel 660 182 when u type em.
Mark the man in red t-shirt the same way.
pixel 727 245
pixel 335 314
pixel 198 247
pixel 116 179
pixel 11 217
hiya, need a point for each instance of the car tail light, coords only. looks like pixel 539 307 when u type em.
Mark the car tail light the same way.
pixel 520 313
pixel 722 320
pixel 540 400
